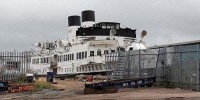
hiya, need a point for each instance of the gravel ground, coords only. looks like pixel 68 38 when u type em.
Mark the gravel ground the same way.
pixel 73 90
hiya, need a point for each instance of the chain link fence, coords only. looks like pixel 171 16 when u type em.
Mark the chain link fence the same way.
pixel 173 66
pixel 178 67
pixel 131 64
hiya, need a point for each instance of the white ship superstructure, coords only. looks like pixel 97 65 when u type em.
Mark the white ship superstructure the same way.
pixel 84 49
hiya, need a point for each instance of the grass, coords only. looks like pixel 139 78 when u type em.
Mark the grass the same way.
pixel 43 85
pixel 19 79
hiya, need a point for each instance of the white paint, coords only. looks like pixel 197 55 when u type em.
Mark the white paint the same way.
pixel 80 44
pixel 87 24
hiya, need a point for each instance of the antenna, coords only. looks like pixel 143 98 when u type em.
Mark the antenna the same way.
pixel 143 33
pixel 170 38
pixel 113 32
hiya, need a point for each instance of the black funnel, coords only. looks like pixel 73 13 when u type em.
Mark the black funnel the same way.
pixel 74 21
pixel 88 15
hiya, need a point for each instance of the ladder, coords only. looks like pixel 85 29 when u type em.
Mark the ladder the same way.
pixel 120 67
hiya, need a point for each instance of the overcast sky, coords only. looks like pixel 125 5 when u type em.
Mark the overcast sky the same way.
pixel 25 22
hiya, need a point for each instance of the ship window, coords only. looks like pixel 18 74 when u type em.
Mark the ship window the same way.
pixel 82 55
pixel 47 60
pixel 44 60
pixel 107 38
pixel 41 60
pixel 131 48
pixel 65 57
pixel 37 61
pixel 76 55
pixel 72 56
pixel 117 26
pixel 121 49
pixel 68 56
pixel 112 51
pixel 60 58
pixel 105 51
pixel 108 26
pixel 85 54
pixel 103 26
pixel 112 26
pixel 91 53
pixel 96 67
pixel 79 55
pixel 99 52
pixel 65 69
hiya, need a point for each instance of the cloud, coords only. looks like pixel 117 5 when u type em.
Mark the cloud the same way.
pixel 24 22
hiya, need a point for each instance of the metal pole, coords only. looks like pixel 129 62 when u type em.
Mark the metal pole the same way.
pixel 198 67
pixel 128 63
pixel 139 66
pixel 157 64
pixel 180 76
pixel 164 66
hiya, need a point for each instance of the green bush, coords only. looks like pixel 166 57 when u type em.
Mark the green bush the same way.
pixel 43 85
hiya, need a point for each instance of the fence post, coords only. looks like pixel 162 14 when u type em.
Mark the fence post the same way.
pixel 128 63
pixel 164 67
pixel 157 65
pixel 180 76
pixel 198 67
pixel 139 65
pixel 106 64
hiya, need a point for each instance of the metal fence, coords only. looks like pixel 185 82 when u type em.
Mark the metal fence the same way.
pixel 13 65
pixel 173 66
pixel 178 67
pixel 131 64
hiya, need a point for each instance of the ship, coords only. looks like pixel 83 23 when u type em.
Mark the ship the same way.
pixel 84 48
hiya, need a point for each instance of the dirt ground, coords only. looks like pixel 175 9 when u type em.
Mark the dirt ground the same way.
pixel 73 90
